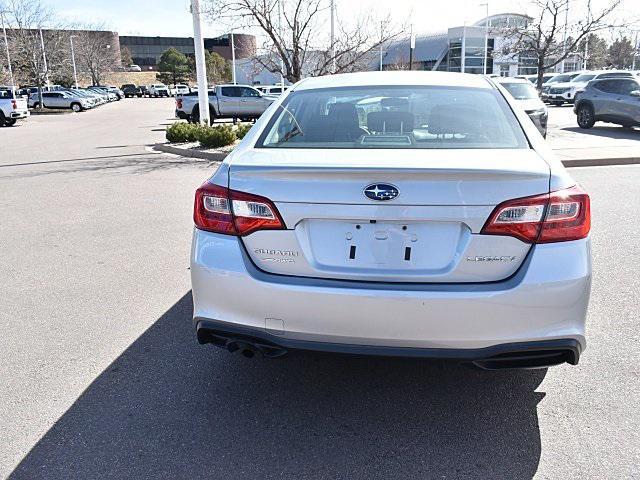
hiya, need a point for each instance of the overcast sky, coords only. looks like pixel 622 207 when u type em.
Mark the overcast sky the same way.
pixel 172 18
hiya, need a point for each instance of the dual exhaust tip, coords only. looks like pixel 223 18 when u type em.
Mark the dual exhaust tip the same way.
pixel 248 347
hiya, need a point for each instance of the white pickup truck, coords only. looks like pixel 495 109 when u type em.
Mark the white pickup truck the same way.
pixel 225 101
pixel 12 108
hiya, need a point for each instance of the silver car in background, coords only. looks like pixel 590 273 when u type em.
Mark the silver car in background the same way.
pixel 613 100
pixel 527 98
pixel 60 99
pixel 415 214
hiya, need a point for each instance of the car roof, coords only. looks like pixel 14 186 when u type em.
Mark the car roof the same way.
pixel 399 78
pixel 512 80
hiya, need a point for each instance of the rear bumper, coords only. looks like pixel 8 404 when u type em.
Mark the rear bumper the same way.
pixel 538 354
pixel 545 300
pixel 182 115
pixel 19 114
pixel 560 97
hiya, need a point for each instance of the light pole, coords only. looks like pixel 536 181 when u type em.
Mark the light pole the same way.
pixel 564 39
pixel 233 59
pixel 635 52
pixel 44 60
pixel 282 39
pixel 412 46
pixel 201 69
pixel 6 46
pixel 332 51
pixel 73 61
pixel 486 37
pixel 381 38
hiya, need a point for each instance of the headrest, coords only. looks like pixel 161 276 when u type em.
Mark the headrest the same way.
pixel 343 113
pixel 396 122
pixel 450 119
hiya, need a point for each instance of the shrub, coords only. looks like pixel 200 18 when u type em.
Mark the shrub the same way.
pixel 243 129
pixel 213 137
pixel 183 132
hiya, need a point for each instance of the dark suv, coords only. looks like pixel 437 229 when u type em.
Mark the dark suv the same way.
pixel 613 100
pixel 131 90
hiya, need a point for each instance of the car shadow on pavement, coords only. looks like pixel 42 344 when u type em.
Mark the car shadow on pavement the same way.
pixel 170 408
pixel 608 132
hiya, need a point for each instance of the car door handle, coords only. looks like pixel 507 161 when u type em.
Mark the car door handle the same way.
pixel 242 100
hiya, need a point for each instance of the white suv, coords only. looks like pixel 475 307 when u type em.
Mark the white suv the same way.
pixel 394 213
pixel 159 90
pixel 560 93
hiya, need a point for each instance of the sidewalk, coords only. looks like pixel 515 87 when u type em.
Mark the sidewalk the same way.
pixel 604 144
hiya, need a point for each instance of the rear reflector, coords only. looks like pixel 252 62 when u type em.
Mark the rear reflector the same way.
pixel 556 217
pixel 221 210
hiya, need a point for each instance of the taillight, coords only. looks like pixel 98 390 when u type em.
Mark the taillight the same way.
pixel 221 210
pixel 178 102
pixel 14 104
pixel 556 217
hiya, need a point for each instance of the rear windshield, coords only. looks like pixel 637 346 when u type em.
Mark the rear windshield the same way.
pixel 394 117
pixel 585 77
pixel 521 91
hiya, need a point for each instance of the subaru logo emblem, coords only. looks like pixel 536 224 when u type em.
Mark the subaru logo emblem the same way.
pixel 381 192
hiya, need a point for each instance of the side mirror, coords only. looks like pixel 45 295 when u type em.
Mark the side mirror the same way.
pixel 635 93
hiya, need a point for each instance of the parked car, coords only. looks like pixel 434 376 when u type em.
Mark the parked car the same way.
pixel 100 96
pixel 526 97
pixel 534 78
pixel 560 78
pixel 131 90
pixel 566 92
pixel 613 100
pixel 158 90
pixel 116 90
pixel 272 90
pixel 134 68
pixel 228 101
pixel 26 91
pixel 93 100
pixel 414 214
pixel 60 99
pixel 111 95
pixel 179 89
pixel 12 107
pixel 145 90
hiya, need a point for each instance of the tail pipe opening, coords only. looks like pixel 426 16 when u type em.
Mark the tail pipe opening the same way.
pixel 530 359
pixel 246 345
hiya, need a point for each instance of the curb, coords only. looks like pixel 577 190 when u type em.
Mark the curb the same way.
pixel 220 156
pixel 49 112
pixel 600 162
pixel 190 152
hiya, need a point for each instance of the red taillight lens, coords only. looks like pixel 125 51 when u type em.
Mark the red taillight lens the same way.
pixel 178 102
pixel 557 217
pixel 221 210
pixel 14 104
pixel 568 216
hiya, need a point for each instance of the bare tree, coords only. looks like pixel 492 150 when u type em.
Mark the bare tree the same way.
pixel 543 37
pixel 37 46
pixel 295 44
pixel 97 52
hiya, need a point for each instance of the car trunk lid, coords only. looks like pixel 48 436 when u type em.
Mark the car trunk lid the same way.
pixel 429 233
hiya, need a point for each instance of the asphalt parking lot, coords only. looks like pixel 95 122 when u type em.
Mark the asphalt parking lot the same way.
pixel 101 375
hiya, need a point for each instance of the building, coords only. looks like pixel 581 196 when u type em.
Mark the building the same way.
pixel 462 49
pixel 146 51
